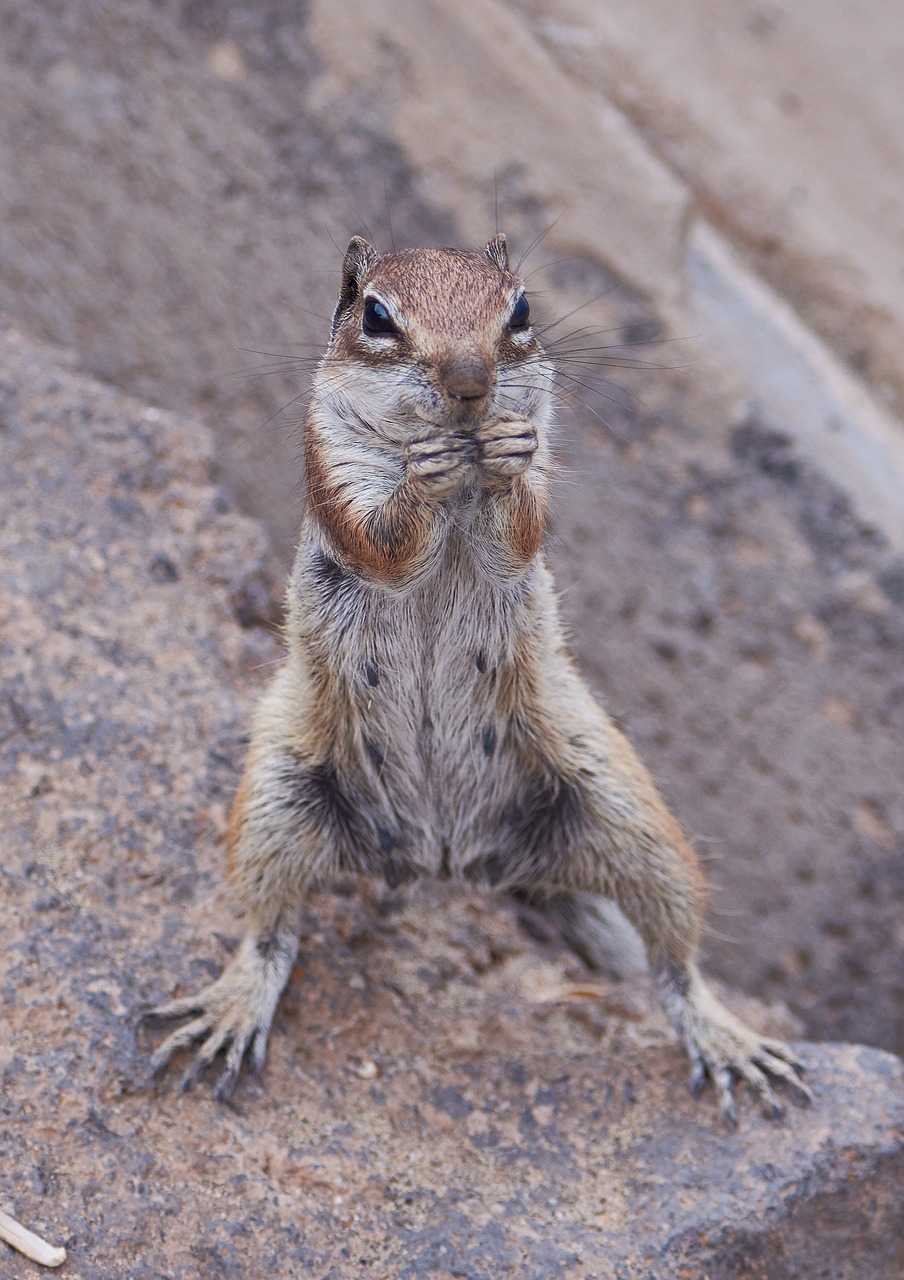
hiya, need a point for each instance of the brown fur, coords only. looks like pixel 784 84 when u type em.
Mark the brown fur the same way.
pixel 386 546
pixel 428 719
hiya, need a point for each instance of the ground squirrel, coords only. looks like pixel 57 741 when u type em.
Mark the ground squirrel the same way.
pixel 428 719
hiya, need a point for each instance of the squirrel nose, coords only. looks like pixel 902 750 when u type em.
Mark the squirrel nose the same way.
pixel 466 377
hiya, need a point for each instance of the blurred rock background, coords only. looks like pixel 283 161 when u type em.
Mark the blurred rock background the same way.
pixel 720 192
pixel 709 200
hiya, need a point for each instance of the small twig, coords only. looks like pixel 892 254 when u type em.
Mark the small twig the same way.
pixel 28 1243
pixel 568 993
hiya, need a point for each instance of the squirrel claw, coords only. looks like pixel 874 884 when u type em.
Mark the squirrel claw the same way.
pixel 724 1050
pixel 724 1079
pixel 231 1018
pixel 759 1067
pixel 698 1076
pixel 440 459
pixel 225 1086
pixel 507 447
pixel 182 1038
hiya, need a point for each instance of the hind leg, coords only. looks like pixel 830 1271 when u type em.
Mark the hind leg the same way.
pixel 234 1014
pixel 272 865
pixel 282 841
pixel 597 826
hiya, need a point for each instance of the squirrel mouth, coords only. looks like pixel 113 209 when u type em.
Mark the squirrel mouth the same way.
pixel 467 414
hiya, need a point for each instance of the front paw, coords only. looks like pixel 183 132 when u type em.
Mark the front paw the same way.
pixel 440 460
pixel 506 447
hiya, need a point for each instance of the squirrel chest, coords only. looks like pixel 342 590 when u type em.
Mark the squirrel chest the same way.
pixel 426 734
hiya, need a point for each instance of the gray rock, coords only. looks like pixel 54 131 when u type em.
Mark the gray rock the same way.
pixel 509 1125
pixel 178 181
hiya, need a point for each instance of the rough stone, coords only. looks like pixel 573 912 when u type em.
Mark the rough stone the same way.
pixel 794 377
pixel 784 120
pixel 175 177
pixel 171 222
pixel 514 132
pixel 440 1099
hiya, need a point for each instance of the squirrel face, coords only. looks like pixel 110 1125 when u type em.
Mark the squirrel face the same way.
pixel 431 335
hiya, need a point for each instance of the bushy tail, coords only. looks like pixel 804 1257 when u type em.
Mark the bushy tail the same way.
pixel 593 927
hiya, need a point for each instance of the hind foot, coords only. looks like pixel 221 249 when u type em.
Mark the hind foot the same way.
pixel 232 1016
pixel 724 1050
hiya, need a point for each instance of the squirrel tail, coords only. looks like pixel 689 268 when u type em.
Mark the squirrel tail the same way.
pixel 592 926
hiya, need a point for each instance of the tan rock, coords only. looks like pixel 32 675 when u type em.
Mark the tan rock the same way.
pixel 555 1139
pixel 493 125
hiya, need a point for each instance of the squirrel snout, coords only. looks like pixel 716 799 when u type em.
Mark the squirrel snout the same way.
pixel 466 377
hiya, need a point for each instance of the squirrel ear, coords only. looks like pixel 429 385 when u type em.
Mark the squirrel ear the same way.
pixel 359 256
pixel 497 251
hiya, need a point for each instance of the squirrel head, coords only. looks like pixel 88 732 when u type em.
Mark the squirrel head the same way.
pixel 440 335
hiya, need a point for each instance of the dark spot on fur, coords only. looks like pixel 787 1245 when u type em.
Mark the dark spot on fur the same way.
pixel 270 946
pixel 328 574
pixel 547 826
pixel 496 869
pixel 473 871
pixel 331 810
pixel 425 734
pixel 445 869
pixel 321 803
pixel 395 870
pixel 391 536
pixel 680 981
pixel 377 754
pixel 315 792
pixel 481 660
pixel 511 815
pixel 372 674
pixel 488 739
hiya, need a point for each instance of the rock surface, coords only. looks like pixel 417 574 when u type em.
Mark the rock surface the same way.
pixel 175 176
pixel 441 1098
pixel 784 118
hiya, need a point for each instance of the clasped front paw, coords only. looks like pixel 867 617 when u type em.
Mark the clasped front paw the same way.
pixel 506 447
pixel 441 459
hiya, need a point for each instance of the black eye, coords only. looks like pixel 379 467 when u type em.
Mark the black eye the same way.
pixel 520 317
pixel 376 319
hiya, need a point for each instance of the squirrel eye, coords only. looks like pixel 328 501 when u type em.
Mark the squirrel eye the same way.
pixel 376 318
pixel 520 317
